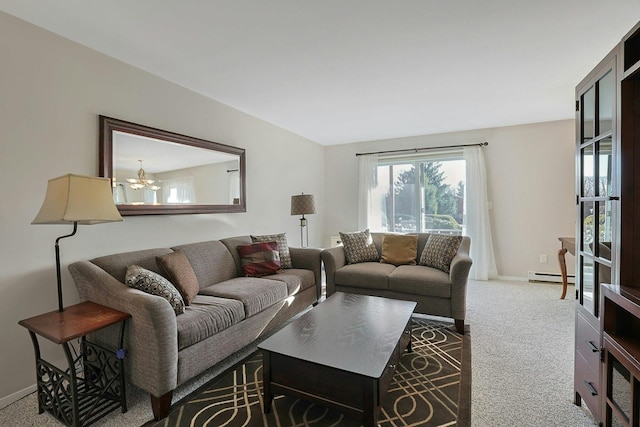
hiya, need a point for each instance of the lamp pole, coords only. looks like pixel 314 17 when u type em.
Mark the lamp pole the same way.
pixel 58 275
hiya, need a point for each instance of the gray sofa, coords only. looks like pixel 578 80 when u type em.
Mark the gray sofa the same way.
pixel 436 292
pixel 229 312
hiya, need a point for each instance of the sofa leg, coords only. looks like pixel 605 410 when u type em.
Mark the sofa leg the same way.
pixel 459 326
pixel 161 405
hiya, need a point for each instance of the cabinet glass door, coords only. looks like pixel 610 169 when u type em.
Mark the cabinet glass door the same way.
pixel 596 190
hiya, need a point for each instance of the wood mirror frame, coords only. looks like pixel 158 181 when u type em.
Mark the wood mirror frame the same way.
pixel 109 126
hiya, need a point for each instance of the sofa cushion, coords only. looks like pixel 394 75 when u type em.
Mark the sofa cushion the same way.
pixel 372 275
pixel 259 259
pixel 399 249
pixel 296 279
pixel 358 247
pixel 117 264
pixel 439 251
pixel 420 280
pixel 205 317
pixel 283 247
pixel 211 261
pixel 154 284
pixel 255 293
pixel 177 268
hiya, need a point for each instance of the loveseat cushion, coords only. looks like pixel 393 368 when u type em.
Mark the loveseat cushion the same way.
pixel 296 279
pixel 211 261
pixel 359 247
pixel 420 280
pixel 399 249
pixel 205 317
pixel 439 251
pixel 255 293
pixel 372 275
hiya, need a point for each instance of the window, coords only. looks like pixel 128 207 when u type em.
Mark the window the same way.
pixel 179 190
pixel 422 193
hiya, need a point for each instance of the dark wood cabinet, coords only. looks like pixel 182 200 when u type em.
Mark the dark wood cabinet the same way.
pixel 607 339
pixel 596 208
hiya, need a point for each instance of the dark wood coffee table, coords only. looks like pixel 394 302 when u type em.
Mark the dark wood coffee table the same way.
pixel 341 354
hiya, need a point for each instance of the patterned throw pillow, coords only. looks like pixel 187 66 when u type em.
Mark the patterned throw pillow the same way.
pixel 358 247
pixel 399 249
pixel 440 250
pixel 283 248
pixel 154 284
pixel 259 259
pixel 177 268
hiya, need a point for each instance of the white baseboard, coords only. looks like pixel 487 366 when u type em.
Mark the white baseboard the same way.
pixel 541 276
pixel 8 400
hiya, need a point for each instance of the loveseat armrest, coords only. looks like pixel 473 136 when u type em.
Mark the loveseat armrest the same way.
pixel 458 275
pixel 309 259
pixel 333 259
pixel 151 335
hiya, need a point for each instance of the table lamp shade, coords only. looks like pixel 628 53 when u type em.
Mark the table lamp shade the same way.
pixel 76 198
pixel 303 204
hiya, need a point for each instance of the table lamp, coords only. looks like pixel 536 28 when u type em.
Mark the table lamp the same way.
pixel 303 204
pixel 76 199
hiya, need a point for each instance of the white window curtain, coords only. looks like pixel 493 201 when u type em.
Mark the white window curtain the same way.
pixel 370 197
pixel 478 226
pixel 234 185
pixel 179 190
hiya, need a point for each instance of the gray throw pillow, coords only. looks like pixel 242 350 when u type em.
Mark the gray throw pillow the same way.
pixel 283 248
pixel 177 268
pixel 359 247
pixel 154 284
pixel 439 251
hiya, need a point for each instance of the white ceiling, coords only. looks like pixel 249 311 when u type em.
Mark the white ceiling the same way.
pixel 161 156
pixel 339 71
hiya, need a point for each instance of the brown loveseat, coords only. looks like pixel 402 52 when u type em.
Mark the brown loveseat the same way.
pixel 228 313
pixel 437 292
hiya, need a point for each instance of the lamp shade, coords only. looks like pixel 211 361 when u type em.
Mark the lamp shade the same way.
pixel 76 198
pixel 303 204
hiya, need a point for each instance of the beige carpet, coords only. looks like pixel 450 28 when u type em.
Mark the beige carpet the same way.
pixel 522 347
pixel 522 371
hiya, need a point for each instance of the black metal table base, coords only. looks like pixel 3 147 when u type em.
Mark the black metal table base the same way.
pixel 89 389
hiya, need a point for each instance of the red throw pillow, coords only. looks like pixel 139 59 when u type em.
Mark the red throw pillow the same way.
pixel 259 259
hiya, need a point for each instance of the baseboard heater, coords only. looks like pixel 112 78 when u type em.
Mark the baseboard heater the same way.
pixel 536 276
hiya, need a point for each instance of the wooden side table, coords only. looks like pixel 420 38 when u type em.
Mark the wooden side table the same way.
pixel 568 245
pixel 93 384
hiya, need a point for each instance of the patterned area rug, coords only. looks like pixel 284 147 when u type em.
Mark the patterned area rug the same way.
pixel 431 387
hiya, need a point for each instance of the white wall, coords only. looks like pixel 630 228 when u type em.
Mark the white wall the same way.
pixel 51 93
pixel 531 180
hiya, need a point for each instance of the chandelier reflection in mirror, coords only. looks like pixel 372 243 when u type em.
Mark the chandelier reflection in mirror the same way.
pixel 142 181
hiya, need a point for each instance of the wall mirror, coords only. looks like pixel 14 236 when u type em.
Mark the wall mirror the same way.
pixel 159 172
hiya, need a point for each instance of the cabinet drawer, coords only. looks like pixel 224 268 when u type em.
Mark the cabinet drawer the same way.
pixel 586 383
pixel 588 342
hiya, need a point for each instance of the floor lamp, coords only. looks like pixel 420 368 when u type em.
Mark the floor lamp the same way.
pixel 303 204
pixel 76 199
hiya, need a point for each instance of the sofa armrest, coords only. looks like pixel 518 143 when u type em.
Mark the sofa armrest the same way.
pixel 151 335
pixel 309 259
pixel 333 259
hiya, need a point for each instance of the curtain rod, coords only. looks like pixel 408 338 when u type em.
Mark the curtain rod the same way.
pixel 481 144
